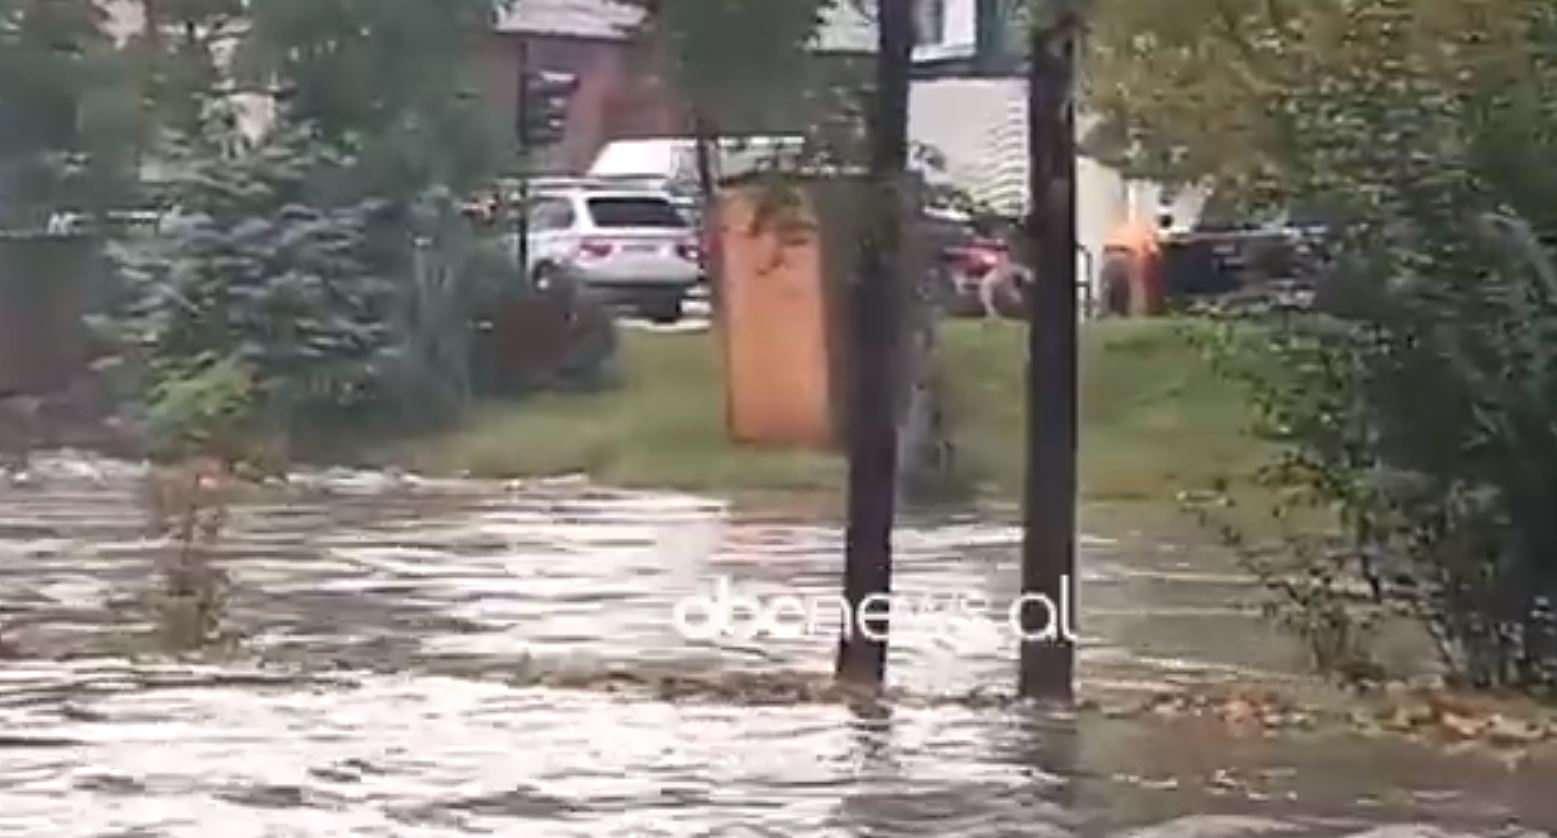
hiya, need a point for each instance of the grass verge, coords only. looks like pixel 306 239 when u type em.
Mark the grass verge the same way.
pixel 663 427
pixel 1156 421
pixel 1155 418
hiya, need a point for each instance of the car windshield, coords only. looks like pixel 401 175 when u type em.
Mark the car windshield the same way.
pixel 635 212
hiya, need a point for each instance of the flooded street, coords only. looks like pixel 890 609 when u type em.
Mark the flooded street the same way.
pixel 391 631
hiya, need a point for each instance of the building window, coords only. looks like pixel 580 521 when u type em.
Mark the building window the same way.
pixel 929 22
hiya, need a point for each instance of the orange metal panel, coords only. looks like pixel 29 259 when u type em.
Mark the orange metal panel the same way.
pixel 774 324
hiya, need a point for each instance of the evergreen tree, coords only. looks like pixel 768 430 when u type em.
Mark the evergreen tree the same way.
pixel 327 260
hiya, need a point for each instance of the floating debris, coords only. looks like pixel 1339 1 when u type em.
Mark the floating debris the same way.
pixel 1500 730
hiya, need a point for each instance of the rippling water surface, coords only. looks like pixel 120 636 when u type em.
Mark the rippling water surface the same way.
pixel 387 623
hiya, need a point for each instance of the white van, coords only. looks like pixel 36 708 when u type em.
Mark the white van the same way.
pixel 672 161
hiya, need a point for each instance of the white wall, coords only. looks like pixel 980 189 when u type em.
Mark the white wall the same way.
pixel 1102 204
pixel 960 36
pixel 124 19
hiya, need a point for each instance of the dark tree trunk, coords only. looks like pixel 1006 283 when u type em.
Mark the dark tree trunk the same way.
pixel 1049 545
pixel 876 328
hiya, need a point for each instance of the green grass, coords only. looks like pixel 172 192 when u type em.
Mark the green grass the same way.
pixel 664 426
pixel 1156 421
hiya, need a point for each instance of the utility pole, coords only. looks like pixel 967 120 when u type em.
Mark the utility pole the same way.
pixel 541 121
pixel 875 318
pixel 1049 543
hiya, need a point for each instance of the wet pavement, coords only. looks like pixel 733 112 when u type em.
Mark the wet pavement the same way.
pixel 389 625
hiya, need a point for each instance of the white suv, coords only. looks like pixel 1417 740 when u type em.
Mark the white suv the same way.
pixel 629 243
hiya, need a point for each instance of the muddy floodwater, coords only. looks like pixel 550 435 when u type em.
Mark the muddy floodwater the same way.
pixel 390 628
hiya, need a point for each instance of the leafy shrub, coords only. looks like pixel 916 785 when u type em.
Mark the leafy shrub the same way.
pixel 200 408
pixel 562 337
pixel 1416 397
pixel 1421 416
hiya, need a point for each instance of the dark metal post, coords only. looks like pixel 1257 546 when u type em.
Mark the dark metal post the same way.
pixel 1049 546
pixel 522 117
pixel 876 330
pixel 710 249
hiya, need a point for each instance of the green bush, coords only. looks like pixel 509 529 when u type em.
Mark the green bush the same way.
pixel 1416 403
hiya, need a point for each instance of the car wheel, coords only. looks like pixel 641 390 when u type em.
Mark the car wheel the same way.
pixel 1116 288
pixel 665 312
pixel 544 277
pixel 556 279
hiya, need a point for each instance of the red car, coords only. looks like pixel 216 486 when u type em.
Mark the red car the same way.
pixel 984 279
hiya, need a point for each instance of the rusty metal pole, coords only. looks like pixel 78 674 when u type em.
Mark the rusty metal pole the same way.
pixel 876 330
pixel 1049 544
